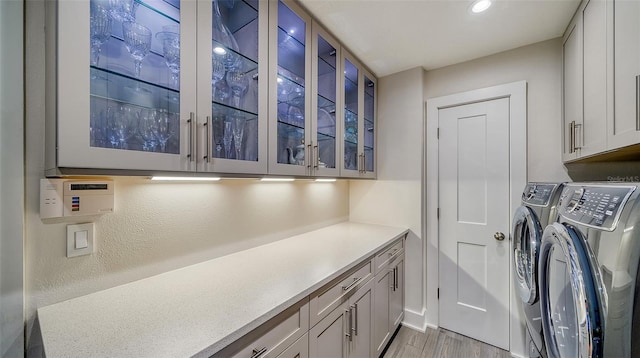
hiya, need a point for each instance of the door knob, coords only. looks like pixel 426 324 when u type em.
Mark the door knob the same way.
pixel 498 236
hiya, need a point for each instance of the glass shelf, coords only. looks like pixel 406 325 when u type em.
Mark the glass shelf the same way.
pixel 126 126
pixel 290 144
pixel 291 54
pixel 242 62
pixel 227 123
pixel 327 104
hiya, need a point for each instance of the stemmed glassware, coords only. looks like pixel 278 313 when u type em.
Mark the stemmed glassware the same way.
pixel 239 82
pixel 170 37
pixel 100 29
pixel 227 137
pixel 164 127
pixel 223 35
pixel 121 126
pixel 147 129
pixel 219 90
pixel 137 40
pixel 238 133
pixel 123 10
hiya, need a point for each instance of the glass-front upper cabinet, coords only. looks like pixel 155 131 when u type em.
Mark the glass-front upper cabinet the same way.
pixel 325 129
pixel 290 78
pixel 124 90
pixel 232 50
pixel 359 119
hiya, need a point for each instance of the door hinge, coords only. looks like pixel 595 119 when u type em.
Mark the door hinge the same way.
pixel 438 133
pixel 438 294
pixel 438 213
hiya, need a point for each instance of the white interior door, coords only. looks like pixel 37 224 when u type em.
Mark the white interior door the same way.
pixel 474 207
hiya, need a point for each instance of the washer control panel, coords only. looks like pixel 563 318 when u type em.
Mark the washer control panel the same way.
pixel 538 194
pixel 594 206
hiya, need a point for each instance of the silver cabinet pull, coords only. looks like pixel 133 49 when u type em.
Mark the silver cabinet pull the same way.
pixel 258 352
pixel 498 236
pixel 316 162
pixel 393 284
pixel 355 281
pixel 638 102
pixel 190 121
pixel 572 133
pixel 348 332
pixel 575 136
pixel 307 156
pixel 355 319
pixel 393 252
pixel 208 128
pixel 397 277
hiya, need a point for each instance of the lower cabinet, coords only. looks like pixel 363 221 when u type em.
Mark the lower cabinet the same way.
pixel 388 309
pixel 353 316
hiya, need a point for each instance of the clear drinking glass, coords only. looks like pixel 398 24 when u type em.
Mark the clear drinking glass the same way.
pixel 227 137
pixel 100 28
pixel 238 133
pixel 137 40
pixel 123 10
pixel 164 127
pixel 170 37
pixel 239 82
pixel 147 129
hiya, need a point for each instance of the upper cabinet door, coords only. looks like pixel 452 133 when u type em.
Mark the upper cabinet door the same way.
pixel 625 128
pixel 290 80
pixel 351 158
pixel 325 101
pixel 232 86
pixel 369 126
pixel 572 88
pixel 125 84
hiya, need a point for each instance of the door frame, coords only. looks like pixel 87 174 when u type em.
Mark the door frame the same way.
pixel 517 94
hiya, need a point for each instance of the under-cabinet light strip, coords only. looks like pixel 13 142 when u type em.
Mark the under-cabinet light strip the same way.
pixel 326 180
pixel 186 178
pixel 277 179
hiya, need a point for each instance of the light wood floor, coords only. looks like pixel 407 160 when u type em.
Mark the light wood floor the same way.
pixel 439 343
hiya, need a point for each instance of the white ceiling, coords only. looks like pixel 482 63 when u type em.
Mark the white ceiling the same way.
pixel 394 35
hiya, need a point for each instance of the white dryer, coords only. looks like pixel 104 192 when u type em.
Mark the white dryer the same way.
pixel 588 273
pixel 538 208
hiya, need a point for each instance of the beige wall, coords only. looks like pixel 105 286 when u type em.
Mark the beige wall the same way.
pixel 395 199
pixel 156 226
pixel 541 66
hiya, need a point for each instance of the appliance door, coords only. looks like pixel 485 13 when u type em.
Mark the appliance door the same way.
pixel 572 314
pixel 526 243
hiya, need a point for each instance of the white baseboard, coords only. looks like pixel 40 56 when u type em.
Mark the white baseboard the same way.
pixel 415 320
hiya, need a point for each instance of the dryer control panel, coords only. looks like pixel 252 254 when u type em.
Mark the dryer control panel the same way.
pixel 538 194
pixel 594 206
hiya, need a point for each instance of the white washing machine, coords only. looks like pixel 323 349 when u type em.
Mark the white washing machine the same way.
pixel 588 273
pixel 538 208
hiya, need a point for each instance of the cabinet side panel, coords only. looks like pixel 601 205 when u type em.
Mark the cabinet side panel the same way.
pixel 51 8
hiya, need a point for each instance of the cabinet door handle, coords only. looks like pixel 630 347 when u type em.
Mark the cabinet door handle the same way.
pixel 355 319
pixel 307 156
pixel 208 127
pixel 258 352
pixel 316 156
pixel 638 102
pixel 355 281
pixel 190 121
pixel 393 284
pixel 572 127
pixel 575 136
pixel 393 252
pixel 348 333
pixel 397 278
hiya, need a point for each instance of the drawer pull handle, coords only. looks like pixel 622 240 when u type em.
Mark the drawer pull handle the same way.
pixel 259 352
pixel 393 252
pixel 355 319
pixel 355 281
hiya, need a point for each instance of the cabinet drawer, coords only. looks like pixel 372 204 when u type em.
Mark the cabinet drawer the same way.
pixel 273 337
pixel 327 298
pixel 382 259
pixel 300 349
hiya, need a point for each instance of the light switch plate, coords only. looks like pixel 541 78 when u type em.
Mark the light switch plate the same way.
pixel 78 236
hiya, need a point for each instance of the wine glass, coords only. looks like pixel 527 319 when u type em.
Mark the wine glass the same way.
pixel 164 127
pixel 100 29
pixel 123 10
pixel 170 37
pixel 137 40
pixel 238 133
pixel 224 37
pixel 119 126
pixel 147 129
pixel 227 136
pixel 239 82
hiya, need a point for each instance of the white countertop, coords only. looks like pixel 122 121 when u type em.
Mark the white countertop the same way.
pixel 200 309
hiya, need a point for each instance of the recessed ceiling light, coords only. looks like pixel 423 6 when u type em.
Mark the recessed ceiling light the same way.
pixel 480 6
pixel 219 50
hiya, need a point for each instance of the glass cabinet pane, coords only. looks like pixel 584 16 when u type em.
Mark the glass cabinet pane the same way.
pixel 134 75
pixel 326 120
pixel 350 116
pixel 234 79
pixel 369 113
pixel 291 87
